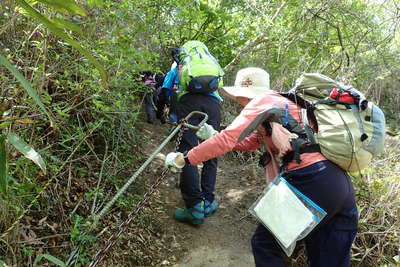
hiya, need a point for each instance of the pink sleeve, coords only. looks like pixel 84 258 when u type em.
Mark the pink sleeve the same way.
pixel 226 140
pixel 249 144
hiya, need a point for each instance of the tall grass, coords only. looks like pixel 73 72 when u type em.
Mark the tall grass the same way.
pixel 378 199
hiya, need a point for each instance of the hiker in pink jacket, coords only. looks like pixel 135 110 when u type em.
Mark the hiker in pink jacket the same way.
pixel 303 166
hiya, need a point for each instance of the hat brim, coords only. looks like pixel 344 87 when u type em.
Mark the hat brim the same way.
pixel 249 92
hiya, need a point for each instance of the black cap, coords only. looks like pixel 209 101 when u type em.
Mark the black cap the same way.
pixel 175 53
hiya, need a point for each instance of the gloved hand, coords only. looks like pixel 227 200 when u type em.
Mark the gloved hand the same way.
pixel 171 161
pixel 206 131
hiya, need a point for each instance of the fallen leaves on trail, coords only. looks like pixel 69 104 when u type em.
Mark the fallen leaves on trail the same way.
pixel 25 121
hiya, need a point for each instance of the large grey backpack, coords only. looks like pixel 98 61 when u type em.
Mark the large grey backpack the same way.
pixel 349 134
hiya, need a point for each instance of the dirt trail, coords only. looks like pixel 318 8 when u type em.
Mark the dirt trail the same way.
pixel 224 238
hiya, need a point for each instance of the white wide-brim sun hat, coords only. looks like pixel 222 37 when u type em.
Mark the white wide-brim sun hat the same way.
pixel 249 83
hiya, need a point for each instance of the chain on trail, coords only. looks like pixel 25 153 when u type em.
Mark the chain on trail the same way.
pixel 179 138
pixel 99 256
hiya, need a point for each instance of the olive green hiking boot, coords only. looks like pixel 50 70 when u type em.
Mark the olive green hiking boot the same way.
pixel 194 215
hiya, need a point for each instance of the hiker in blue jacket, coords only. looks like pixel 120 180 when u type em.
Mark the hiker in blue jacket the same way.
pixel 168 96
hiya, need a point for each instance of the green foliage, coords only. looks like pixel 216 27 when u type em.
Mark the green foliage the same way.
pixel 79 231
pixel 61 23
pixel 25 84
pixel 22 147
pixel 378 195
pixel 26 150
pixel 92 3
pixel 353 41
pixel 80 238
pixel 49 258
pixel 71 6
pixel 95 192
pixel 27 251
pixel 25 191
pixel 65 6
pixel 3 167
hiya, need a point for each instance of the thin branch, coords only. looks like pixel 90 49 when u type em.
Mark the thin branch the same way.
pixel 100 177
pixel 42 238
pixel 202 28
pixel 339 34
pixel 252 44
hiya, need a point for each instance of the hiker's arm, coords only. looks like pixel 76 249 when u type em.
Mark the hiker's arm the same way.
pixel 169 81
pixel 227 139
pixel 249 144
pixel 217 145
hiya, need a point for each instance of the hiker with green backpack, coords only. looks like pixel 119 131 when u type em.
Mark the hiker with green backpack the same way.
pixel 299 133
pixel 200 77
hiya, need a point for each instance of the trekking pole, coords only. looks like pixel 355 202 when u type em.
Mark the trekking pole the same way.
pixel 183 123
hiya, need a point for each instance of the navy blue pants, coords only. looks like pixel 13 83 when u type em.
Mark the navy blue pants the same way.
pixel 328 245
pixel 162 103
pixel 196 187
pixel 173 117
pixel 149 101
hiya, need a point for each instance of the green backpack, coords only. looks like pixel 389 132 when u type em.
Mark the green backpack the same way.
pixel 350 130
pixel 201 72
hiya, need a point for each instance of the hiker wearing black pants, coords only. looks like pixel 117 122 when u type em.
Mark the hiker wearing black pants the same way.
pixel 317 178
pixel 190 177
pixel 200 78
pixel 162 99
pixel 162 103
pixel 150 98
pixel 330 242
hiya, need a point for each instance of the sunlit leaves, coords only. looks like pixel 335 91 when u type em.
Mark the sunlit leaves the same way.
pixel 49 258
pixel 4 124
pixel 26 150
pixel 61 34
pixel 64 24
pixel 32 93
pixel 65 6
pixel 92 3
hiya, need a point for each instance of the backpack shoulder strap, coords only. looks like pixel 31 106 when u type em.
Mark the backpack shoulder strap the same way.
pixel 307 111
pixel 297 100
pixel 295 154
